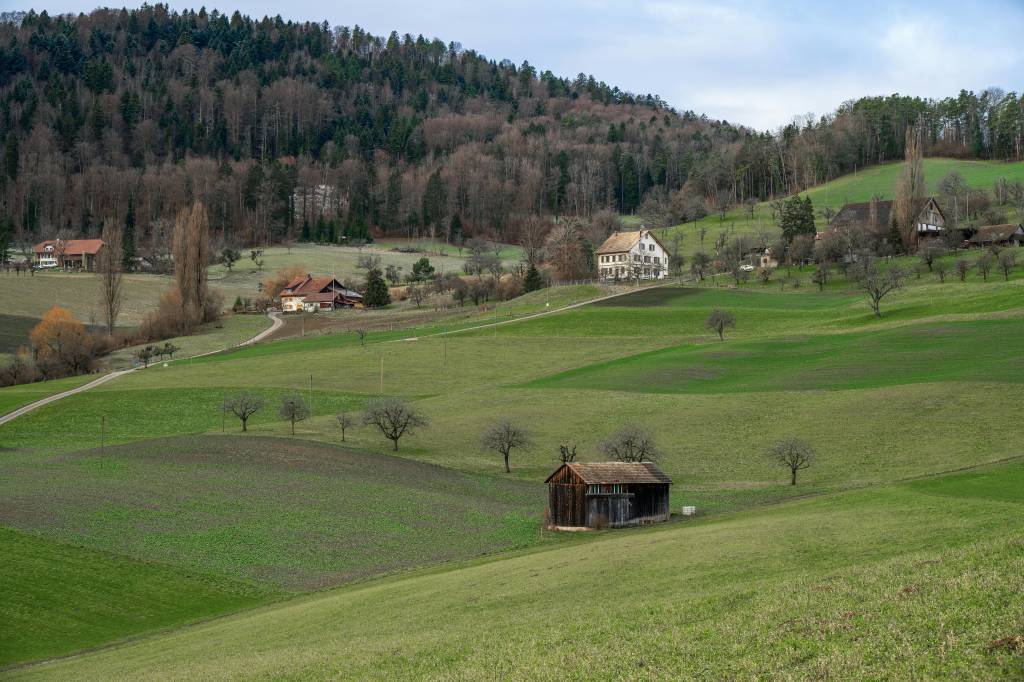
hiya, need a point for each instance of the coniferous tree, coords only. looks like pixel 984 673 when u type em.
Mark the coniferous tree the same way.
pixel 533 281
pixel 376 294
pixel 128 238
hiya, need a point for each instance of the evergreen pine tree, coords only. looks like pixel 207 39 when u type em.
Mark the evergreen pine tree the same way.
pixel 533 280
pixel 376 294
pixel 128 238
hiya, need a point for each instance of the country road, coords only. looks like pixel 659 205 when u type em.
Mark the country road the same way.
pixel 25 409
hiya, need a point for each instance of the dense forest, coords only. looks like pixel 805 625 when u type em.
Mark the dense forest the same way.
pixel 300 130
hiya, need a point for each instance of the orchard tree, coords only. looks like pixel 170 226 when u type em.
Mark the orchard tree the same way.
pixel 293 408
pixel 503 437
pixel 718 320
pixel 793 454
pixel 877 284
pixel 394 417
pixel 243 406
pixel 631 443
pixel 345 422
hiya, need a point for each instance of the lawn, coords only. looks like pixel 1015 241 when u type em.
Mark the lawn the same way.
pixel 285 514
pixel 59 597
pixel 913 581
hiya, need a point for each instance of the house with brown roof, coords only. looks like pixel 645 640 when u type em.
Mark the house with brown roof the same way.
pixel 876 217
pixel 74 254
pixel 607 495
pixel 318 293
pixel 632 255
pixel 1008 235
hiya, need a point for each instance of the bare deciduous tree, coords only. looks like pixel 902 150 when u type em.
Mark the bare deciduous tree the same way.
pixel 293 408
pixel 243 406
pixel 394 418
pixel 984 264
pixel 962 266
pixel 631 443
pixel 821 275
pixel 792 453
pixel 1007 261
pixel 110 269
pixel 567 453
pixel 361 333
pixel 345 422
pixel 940 268
pixel 504 437
pixel 909 188
pixel 876 283
pixel 718 320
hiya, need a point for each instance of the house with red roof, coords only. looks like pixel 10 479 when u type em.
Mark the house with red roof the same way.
pixel 76 254
pixel 318 293
pixel 632 255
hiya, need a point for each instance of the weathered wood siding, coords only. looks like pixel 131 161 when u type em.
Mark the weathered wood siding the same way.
pixel 567 499
pixel 650 503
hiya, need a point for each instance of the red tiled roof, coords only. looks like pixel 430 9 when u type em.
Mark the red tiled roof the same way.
pixel 74 247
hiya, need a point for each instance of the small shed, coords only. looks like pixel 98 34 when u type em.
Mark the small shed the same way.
pixel 607 495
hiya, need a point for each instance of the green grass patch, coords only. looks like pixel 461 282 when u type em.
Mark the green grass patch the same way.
pixel 887 583
pixel 283 513
pixel 983 350
pixel 13 397
pixel 59 598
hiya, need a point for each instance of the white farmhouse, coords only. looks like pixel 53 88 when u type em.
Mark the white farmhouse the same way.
pixel 632 255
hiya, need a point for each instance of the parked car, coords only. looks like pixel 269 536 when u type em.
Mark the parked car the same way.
pixel 747 267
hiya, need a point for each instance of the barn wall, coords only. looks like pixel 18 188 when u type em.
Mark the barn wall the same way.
pixel 650 502
pixel 567 499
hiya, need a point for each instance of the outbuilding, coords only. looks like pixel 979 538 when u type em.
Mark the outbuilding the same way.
pixel 607 495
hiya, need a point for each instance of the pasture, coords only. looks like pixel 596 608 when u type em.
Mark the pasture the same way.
pixel 922 391
pixel 917 580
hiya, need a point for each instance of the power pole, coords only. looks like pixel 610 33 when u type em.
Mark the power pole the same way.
pixel 310 395
pixel 382 373
pixel 223 401
pixel 103 428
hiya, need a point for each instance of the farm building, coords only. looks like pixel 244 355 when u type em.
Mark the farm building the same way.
pixel 318 293
pixel 632 255
pixel 77 254
pixel 1010 234
pixel 607 495
pixel 876 217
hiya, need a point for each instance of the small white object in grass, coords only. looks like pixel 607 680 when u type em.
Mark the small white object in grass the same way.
pixel 689 511
pixel 547 305
pixel 165 364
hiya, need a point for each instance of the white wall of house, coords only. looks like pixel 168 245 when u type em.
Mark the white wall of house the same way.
pixel 646 253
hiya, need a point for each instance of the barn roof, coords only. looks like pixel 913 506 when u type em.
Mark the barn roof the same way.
pixel 996 233
pixel 307 284
pixel 617 472
pixel 619 242
pixel 860 213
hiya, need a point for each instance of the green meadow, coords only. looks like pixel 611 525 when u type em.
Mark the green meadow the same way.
pixel 918 580
pixel 897 555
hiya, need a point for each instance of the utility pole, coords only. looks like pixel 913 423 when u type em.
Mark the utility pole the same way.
pixel 103 428
pixel 310 395
pixel 382 373
pixel 223 404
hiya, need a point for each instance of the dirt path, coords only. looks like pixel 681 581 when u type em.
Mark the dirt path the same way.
pixel 25 409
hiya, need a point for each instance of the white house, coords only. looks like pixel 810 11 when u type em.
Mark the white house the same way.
pixel 632 255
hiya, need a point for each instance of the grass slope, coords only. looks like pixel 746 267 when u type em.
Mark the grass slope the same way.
pixel 912 581
pixel 59 598
pixel 285 514
pixel 13 397
pixel 853 187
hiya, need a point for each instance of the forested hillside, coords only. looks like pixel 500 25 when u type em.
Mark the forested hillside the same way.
pixel 300 130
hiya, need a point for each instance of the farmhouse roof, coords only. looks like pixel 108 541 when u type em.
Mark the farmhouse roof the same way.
pixel 619 242
pixel 73 247
pixel 306 285
pixel 617 472
pixel 997 233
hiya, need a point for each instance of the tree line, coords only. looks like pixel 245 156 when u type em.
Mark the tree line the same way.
pixel 290 130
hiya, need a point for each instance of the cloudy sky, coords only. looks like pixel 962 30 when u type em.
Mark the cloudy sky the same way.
pixel 756 62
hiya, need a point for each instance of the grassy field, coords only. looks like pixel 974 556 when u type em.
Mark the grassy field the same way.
pixel 924 390
pixel 59 597
pixel 245 277
pixel 284 514
pixel 913 581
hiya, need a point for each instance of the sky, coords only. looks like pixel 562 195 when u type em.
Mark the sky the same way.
pixel 757 63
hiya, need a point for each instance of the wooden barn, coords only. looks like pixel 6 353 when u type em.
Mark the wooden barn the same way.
pixel 607 495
